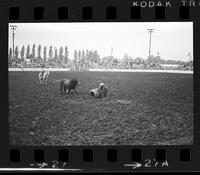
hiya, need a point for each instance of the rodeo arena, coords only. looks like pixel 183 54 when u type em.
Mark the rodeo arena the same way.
pixel 62 99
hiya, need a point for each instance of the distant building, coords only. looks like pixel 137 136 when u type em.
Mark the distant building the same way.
pixel 27 61
pixel 170 66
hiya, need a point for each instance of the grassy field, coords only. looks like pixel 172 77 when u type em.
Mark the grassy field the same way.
pixel 141 109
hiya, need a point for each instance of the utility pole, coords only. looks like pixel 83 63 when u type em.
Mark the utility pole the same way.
pixel 13 28
pixel 111 52
pixel 190 57
pixel 150 33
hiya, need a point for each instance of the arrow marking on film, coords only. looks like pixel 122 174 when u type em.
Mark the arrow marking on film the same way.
pixel 134 165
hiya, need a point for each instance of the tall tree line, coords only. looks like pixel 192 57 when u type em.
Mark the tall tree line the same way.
pixel 85 59
pixel 38 54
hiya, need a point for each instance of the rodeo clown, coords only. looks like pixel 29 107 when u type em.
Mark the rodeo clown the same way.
pixel 99 92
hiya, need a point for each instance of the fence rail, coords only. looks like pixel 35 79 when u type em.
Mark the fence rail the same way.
pixel 104 70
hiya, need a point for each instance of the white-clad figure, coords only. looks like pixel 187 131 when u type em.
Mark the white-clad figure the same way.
pixel 43 76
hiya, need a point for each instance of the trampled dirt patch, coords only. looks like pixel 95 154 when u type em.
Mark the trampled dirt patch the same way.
pixel 141 109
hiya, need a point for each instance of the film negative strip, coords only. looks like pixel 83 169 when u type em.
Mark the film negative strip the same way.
pixel 100 86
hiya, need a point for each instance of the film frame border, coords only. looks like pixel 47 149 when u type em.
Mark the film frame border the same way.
pixel 99 14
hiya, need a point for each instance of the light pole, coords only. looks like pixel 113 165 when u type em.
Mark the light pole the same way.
pixel 150 33
pixel 13 28
pixel 111 52
pixel 190 57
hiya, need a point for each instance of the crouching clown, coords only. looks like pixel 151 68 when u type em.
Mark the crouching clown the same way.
pixel 99 92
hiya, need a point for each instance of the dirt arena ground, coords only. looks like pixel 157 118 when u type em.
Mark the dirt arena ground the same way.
pixel 141 109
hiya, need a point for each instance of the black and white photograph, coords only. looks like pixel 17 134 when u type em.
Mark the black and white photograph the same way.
pixel 100 83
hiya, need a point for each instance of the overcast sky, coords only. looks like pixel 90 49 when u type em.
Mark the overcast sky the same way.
pixel 172 40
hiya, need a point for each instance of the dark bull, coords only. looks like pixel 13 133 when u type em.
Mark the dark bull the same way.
pixel 68 85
